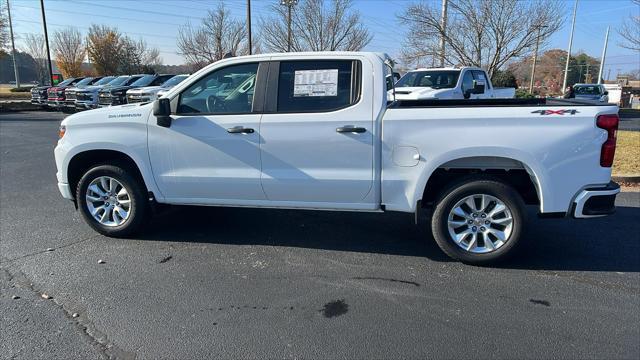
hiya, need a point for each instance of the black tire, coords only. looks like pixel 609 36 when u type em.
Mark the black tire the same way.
pixel 137 193
pixel 461 190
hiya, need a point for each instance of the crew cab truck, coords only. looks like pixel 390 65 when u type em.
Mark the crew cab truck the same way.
pixel 315 131
pixel 448 83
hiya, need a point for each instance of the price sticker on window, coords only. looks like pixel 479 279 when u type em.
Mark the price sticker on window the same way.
pixel 316 83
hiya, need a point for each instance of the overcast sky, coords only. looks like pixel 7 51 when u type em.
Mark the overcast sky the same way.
pixel 157 22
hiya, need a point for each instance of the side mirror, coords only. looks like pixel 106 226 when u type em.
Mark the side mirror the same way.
pixel 162 112
pixel 478 87
pixel 606 92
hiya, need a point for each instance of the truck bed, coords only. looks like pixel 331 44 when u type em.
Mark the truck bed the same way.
pixel 493 102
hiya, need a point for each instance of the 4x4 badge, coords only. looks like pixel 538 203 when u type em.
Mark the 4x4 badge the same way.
pixel 555 112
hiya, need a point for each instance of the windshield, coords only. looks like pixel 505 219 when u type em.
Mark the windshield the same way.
pixel 84 81
pixel 587 90
pixel 132 79
pixel 119 80
pixel 429 78
pixel 105 80
pixel 174 80
pixel 144 81
pixel 66 82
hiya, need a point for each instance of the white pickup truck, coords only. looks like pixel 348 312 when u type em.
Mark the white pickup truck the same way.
pixel 448 84
pixel 315 131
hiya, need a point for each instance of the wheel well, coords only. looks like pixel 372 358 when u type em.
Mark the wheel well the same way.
pixel 83 161
pixel 519 179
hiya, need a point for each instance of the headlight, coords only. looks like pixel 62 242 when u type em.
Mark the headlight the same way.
pixel 61 131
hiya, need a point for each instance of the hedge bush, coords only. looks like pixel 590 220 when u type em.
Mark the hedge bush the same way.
pixel 21 89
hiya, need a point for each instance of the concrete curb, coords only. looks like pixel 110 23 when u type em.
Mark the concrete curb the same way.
pixel 626 179
pixel 12 106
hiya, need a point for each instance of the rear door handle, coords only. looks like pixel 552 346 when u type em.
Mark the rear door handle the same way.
pixel 350 129
pixel 240 130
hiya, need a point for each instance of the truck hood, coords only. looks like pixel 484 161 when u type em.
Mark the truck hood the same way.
pixel 145 90
pixel 93 88
pixel 127 113
pixel 418 93
pixel 115 88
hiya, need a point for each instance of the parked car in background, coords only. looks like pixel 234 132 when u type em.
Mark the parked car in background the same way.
pixel 118 95
pixel 87 98
pixel 448 83
pixel 39 95
pixel 596 92
pixel 70 92
pixel 56 95
pixel 150 93
pixel 115 94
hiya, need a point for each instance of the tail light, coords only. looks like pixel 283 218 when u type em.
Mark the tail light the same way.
pixel 609 123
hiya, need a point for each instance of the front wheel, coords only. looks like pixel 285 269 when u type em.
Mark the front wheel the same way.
pixel 479 221
pixel 111 200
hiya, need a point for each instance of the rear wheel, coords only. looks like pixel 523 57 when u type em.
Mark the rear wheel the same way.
pixel 478 221
pixel 111 200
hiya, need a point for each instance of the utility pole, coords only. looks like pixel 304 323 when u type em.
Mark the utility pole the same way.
pixel 289 4
pixel 13 47
pixel 535 59
pixel 443 26
pixel 46 41
pixel 249 25
pixel 604 54
pixel 566 67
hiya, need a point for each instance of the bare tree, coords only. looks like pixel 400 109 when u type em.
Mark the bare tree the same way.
pixel 219 34
pixel 136 57
pixel 316 26
pixel 69 50
pixel 484 33
pixel 34 45
pixel 630 30
pixel 113 53
pixel 4 27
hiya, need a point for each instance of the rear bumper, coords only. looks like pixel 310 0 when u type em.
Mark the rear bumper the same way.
pixel 595 202
pixel 65 190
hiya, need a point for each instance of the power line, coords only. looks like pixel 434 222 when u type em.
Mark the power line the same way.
pixel 99 15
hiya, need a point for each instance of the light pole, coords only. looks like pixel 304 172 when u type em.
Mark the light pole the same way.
pixel 535 59
pixel 566 67
pixel 249 25
pixel 13 47
pixel 46 41
pixel 443 25
pixel 289 4
pixel 604 54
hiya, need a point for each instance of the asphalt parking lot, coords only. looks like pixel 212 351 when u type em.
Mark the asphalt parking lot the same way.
pixel 246 283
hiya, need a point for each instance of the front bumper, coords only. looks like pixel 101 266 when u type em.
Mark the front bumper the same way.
pixel 596 202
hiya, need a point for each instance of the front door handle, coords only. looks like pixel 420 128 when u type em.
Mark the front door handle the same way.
pixel 350 129
pixel 240 130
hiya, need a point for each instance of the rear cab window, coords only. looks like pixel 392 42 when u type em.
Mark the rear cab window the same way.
pixel 480 75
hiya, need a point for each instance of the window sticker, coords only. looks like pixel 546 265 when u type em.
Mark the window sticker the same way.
pixel 316 83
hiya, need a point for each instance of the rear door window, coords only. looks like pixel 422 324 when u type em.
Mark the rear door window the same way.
pixel 317 86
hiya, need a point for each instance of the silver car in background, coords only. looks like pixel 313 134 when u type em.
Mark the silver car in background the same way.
pixel 87 98
pixel 150 93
